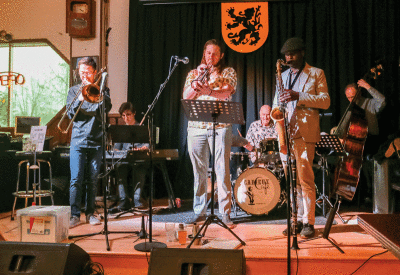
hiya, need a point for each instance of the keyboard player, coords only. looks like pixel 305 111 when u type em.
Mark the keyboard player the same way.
pixel 130 176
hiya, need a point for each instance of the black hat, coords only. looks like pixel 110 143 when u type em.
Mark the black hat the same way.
pixel 293 44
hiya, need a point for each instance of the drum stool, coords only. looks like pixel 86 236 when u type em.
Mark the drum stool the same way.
pixel 28 158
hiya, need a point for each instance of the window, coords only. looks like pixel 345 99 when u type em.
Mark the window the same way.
pixel 46 85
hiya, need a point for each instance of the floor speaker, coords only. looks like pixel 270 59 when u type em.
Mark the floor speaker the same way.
pixel 42 258
pixel 177 261
pixel 385 174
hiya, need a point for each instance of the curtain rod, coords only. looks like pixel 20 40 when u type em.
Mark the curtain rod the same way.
pixel 156 2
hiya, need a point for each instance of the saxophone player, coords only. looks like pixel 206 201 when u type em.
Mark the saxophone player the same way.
pixel 305 92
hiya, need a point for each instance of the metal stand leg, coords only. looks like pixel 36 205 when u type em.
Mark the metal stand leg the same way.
pixel 323 196
pixel 233 202
pixel 168 186
pixel 328 226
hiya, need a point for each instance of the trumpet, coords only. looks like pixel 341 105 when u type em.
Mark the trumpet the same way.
pixel 202 76
pixel 277 113
pixel 90 93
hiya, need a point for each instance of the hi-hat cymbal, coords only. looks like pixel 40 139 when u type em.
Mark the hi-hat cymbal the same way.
pixel 238 141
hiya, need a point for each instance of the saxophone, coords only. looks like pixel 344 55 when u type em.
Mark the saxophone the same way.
pixel 277 113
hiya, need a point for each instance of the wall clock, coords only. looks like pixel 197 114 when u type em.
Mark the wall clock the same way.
pixel 81 18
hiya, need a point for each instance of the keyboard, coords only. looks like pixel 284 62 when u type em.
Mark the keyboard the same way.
pixel 132 156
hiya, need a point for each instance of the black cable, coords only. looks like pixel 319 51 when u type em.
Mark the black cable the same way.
pixel 368 260
pixel 92 268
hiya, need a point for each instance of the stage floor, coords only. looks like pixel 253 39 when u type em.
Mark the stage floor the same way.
pixel 265 250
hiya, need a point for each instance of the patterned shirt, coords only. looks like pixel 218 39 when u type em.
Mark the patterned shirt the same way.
pixel 215 82
pixel 257 133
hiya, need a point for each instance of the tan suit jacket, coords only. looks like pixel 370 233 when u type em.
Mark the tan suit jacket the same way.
pixel 312 97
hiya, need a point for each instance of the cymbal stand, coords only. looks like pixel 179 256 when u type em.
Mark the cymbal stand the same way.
pixel 323 196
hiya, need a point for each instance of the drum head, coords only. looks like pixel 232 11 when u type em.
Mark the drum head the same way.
pixel 257 191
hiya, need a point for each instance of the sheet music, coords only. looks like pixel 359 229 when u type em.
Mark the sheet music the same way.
pixel 37 138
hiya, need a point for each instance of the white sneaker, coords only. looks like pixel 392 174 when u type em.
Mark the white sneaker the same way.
pixel 92 220
pixel 74 221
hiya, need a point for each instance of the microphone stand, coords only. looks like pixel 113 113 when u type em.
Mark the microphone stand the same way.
pixel 148 246
pixel 291 190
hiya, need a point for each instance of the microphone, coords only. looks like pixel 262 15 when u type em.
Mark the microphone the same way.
pixel 184 60
pixel 103 80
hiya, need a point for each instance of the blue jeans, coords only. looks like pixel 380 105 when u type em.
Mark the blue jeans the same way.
pixel 200 148
pixel 134 174
pixel 85 166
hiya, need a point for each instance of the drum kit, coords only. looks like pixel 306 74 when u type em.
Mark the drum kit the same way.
pixel 257 185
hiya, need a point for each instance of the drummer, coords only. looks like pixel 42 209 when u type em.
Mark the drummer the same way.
pixel 260 130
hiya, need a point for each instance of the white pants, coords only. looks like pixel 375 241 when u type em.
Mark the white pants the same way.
pixel 306 193
pixel 200 142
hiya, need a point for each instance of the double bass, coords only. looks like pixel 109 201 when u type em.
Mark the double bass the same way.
pixel 347 172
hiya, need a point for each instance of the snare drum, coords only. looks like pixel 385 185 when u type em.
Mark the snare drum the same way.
pixel 257 191
pixel 269 150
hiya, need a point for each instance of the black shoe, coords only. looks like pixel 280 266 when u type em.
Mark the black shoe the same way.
pixel 121 207
pixel 140 204
pixel 299 227
pixel 197 219
pixel 308 231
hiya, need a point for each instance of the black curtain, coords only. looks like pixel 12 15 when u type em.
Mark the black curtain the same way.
pixel 343 37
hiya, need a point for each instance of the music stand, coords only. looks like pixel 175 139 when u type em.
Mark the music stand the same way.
pixel 329 145
pixel 215 112
pixel 130 134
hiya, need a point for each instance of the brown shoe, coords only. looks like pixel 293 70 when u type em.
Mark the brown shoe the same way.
pixel 226 219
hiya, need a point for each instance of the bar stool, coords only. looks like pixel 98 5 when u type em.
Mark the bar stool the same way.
pixel 33 164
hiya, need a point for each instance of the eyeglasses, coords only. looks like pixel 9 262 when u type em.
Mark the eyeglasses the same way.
pixel 86 73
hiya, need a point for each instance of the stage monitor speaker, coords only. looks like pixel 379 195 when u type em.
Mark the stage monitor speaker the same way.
pixel 177 261
pixel 43 258
pixel 385 174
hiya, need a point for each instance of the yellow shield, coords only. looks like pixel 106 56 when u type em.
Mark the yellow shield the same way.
pixel 245 25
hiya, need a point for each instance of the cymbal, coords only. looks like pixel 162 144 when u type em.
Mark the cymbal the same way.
pixel 238 141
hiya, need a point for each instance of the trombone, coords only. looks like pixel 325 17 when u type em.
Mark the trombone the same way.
pixel 90 93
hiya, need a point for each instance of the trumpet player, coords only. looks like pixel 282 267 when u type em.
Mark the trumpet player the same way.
pixel 86 142
pixel 304 92
pixel 210 81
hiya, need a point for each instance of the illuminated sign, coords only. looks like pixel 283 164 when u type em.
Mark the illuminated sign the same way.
pixel 7 78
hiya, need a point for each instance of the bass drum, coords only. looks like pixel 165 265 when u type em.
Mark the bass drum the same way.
pixel 257 191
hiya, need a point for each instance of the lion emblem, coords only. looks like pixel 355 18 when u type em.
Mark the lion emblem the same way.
pixel 249 24
pixel 244 25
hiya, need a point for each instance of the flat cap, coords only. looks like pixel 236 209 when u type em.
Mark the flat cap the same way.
pixel 293 44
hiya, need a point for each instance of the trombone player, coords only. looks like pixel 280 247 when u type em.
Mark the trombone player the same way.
pixel 86 140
